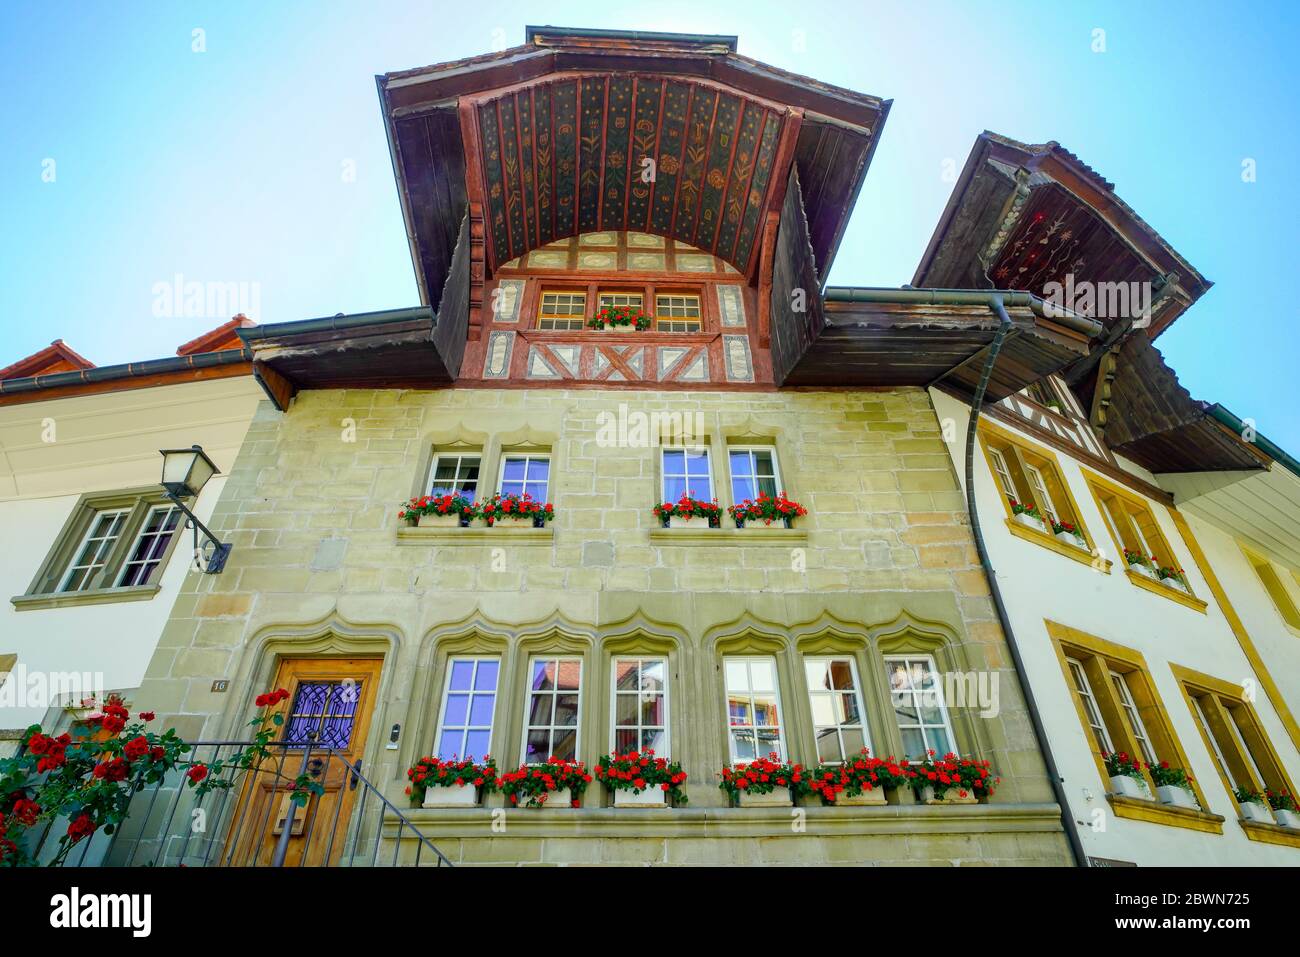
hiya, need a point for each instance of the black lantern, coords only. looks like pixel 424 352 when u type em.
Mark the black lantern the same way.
pixel 184 473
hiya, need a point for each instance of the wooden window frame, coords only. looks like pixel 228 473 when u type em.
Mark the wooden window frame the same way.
pixel 710 493
pixel 751 448
pixel 528 455
pixel 1016 453
pixel 906 657
pixel 464 730
pixel 615 693
pixel 554 693
pixel 459 455
pixel 1276 588
pixel 783 719
pixel 558 290
pixel 863 719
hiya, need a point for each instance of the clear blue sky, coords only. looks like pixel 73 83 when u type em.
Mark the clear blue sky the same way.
pixel 227 165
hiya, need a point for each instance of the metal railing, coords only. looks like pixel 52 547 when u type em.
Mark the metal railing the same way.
pixel 252 820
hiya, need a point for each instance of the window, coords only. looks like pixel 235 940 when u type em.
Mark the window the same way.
pixel 150 545
pixel 1088 701
pixel 562 309
pixel 919 706
pixel 1277 591
pixel 1030 475
pixel 1038 488
pixel 753 471
pixel 839 726
pixel 323 714
pixel 1041 393
pixel 111 542
pixel 612 300
pixel 1125 698
pixel 677 312
pixel 753 709
pixel 455 473
pixel 1133 528
pixel 468 707
pixel 1233 733
pixel 554 700
pixel 525 474
pixel 1002 473
pixel 640 705
pixel 102 534
pixel 686 472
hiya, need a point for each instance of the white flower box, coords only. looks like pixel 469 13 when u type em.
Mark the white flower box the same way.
pixel 561 799
pixel 451 520
pixel 749 523
pixel 777 797
pixel 687 521
pixel 950 796
pixel 513 521
pixel 1027 520
pixel 1287 818
pixel 451 796
pixel 653 796
pixel 1125 786
pixel 1257 811
pixel 1069 538
pixel 872 798
pixel 1177 796
pixel 1176 583
pixel 1146 571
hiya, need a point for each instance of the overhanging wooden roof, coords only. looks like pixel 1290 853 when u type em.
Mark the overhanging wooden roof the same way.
pixel 1022 216
pixel 549 138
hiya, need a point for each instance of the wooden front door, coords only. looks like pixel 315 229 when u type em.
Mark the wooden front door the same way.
pixel 329 706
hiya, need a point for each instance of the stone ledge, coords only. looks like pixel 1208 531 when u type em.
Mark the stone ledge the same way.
pixel 1168 591
pixel 414 535
pixel 1137 809
pixel 728 536
pixel 93 596
pixel 1271 833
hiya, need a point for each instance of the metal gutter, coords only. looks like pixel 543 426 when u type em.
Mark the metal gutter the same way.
pixel 128 370
pixel 1224 417
pixel 1040 732
pixel 967 297
pixel 339 323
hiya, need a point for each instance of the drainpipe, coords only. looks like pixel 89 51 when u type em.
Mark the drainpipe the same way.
pixel 1058 788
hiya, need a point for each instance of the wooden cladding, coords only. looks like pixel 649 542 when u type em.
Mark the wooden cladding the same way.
pixel 796 302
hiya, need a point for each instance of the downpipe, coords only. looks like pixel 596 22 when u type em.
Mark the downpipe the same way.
pixel 995 303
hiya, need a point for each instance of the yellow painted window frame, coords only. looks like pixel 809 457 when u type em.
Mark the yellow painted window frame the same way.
pixel 1213 695
pixel 662 322
pixel 1099 658
pixel 1102 489
pixel 1276 588
pixel 1045 460
pixel 561 291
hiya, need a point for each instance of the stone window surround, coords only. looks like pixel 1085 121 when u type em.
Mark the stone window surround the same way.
pixel 43 593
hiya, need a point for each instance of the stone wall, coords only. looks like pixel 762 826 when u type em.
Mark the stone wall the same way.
pixel 884 563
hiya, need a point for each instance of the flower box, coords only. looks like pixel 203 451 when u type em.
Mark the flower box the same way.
pixel 434 520
pixel 786 522
pixel 1069 538
pixel 687 521
pixel 513 521
pixel 650 797
pixel 1178 583
pixel 441 795
pixel 1287 818
pixel 562 799
pixel 1256 811
pixel 1146 571
pixel 873 798
pixel 777 797
pixel 1029 521
pixel 949 796
pixel 1130 787
pixel 1177 797
pixel 766 511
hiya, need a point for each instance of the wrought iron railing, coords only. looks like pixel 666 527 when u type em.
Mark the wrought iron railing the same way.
pixel 252 820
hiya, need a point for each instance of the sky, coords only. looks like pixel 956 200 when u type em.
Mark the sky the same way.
pixel 242 143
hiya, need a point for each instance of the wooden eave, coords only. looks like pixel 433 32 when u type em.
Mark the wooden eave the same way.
pixel 982 214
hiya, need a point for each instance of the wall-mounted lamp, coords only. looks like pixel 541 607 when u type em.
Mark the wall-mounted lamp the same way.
pixel 184 473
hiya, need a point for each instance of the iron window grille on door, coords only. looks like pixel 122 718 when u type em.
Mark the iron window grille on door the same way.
pixel 640 705
pixel 323 714
pixel 468 708
pixel 753 708
pixel 554 707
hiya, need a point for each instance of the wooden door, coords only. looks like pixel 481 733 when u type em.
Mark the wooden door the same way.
pixel 329 705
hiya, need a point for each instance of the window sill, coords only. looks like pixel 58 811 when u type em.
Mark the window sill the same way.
pixel 1168 591
pixel 93 596
pixel 728 536
pixel 1048 541
pixel 1136 809
pixel 414 535
pixel 1271 833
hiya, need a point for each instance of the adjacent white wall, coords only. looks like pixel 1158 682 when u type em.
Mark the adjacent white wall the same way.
pixel 1038 584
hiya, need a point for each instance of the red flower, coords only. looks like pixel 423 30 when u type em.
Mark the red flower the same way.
pixel 81 826
pixel 147 716
pixel 136 748
pixel 197 773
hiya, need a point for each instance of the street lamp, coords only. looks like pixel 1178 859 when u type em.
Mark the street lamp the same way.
pixel 184 473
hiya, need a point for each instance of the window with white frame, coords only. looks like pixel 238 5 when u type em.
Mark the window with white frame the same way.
pixel 468 708
pixel 92 555
pixel 150 545
pixel 1042 498
pixel 640 704
pixel 753 472
pixel 917 696
pixel 1089 701
pixel 1134 719
pixel 1198 711
pixel 525 474
pixel 1003 473
pixel 554 703
pixel 686 472
pixel 455 473
pixel 839 725
pixel 753 708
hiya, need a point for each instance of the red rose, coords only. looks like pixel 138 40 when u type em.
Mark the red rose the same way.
pixel 197 773
pixel 136 748
pixel 81 826
pixel 147 716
